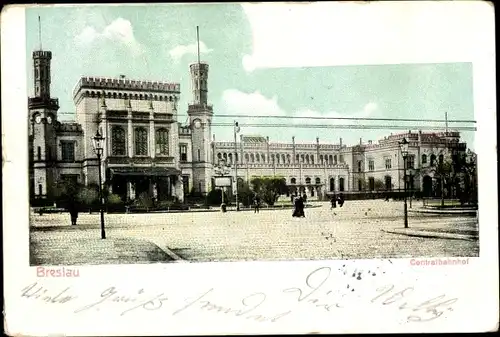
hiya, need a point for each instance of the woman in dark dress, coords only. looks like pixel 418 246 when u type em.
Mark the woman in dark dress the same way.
pixel 73 211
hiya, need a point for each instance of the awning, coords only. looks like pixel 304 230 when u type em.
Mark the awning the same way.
pixel 145 171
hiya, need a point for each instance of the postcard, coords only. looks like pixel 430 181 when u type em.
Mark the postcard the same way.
pixel 249 168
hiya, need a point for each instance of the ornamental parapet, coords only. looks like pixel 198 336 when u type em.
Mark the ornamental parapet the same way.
pixel 106 84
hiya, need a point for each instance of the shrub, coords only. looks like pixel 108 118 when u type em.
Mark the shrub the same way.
pixel 114 199
pixel 214 197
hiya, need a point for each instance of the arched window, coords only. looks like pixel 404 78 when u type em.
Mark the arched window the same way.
pixel 288 158
pixel 341 184
pixel 272 158
pixel 219 156
pixel 40 189
pixel 433 160
pixel 236 158
pixel 308 180
pixel 297 158
pixel 141 142
pixel 252 158
pixel 321 158
pixel 161 141
pixel 263 157
pixel 335 159
pixel 278 158
pixel 293 181
pixel 225 157
pixel 332 184
pixel 247 158
pixel 330 160
pixel 424 159
pixel 39 153
pixel 230 158
pixel 318 181
pixel 257 158
pixel 312 159
pixel 307 159
pixel 302 158
pixel 117 141
pixel 283 160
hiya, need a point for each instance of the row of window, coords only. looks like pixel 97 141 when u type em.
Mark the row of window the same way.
pixel 410 162
pixel 280 158
pixel 118 141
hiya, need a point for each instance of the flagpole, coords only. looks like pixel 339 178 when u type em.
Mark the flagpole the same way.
pixel 39 32
pixel 236 166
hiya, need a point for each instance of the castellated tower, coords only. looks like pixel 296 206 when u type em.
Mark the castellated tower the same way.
pixel 200 118
pixel 42 121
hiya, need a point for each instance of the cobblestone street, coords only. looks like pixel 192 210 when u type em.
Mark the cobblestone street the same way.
pixel 353 231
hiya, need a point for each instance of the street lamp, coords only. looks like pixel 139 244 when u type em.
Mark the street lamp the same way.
pixel 98 142
pixel 404 153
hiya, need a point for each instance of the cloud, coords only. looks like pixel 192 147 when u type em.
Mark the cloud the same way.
pixel 180 51
pixel 328 117
pixel 250 104
pixel 325 34
pixel 120 30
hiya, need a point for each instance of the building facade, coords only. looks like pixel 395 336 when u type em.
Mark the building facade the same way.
pixel 147 149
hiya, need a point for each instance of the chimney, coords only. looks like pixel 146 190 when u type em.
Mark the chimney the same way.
pixel 340 142
pixel 317 140
pixel 360 141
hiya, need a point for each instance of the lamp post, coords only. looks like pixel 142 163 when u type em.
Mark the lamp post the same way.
pixel 236 130
pixel 404 153
pixel 98 142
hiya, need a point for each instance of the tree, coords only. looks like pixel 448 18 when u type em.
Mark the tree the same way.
pixel 88 196
pixel 65 191
pixel 214 197
pixel 145 200
pixel 269 188
pixel 245 193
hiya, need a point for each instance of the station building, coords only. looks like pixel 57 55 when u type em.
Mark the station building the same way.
pixel 147 149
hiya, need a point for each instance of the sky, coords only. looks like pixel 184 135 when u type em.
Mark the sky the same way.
pixel 302 60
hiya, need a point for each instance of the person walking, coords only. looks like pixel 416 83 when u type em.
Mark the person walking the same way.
pixel 296 207
pixel 333 201
pixel 341 200
pixel 256 203
pixel 73 211
pixel 301 207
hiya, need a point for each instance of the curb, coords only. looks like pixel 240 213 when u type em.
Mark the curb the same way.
pixel 443 212
pixel 169 252
pixel 424 234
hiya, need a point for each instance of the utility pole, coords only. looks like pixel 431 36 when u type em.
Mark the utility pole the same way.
pixel 236 130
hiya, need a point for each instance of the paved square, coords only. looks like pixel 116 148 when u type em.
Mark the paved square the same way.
pixel 353 231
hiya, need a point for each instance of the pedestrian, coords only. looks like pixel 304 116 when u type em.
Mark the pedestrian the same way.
pixel 301 207
pixel 73 211
pixel 256 203
pixel 296 208
pixel 341 200
pixel 334 201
